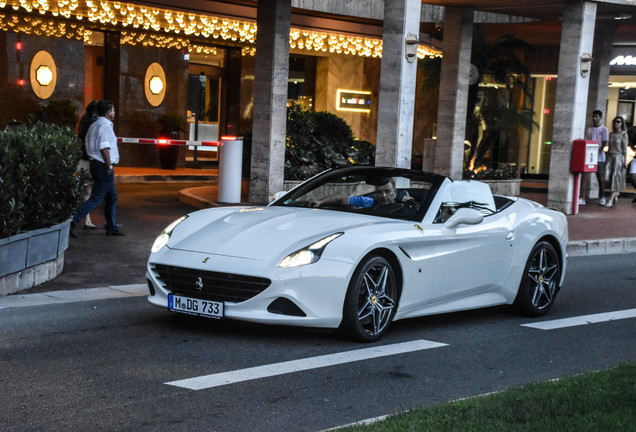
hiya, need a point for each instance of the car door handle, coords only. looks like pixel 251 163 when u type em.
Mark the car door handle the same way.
pixel 510 235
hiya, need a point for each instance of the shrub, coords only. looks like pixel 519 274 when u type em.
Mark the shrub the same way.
pixel 39 182
pixel 62 112
pixel 317 141
pixel 18 102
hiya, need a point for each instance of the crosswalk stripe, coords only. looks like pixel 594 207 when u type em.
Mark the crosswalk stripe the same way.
pixel 265 371
pixel 583 320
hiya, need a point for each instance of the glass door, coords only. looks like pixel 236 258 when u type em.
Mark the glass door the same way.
pixel 204 102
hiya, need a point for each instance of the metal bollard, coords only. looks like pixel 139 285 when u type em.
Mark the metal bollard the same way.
pixel 230 167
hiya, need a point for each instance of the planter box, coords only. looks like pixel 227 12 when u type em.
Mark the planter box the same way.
pixel 32 258
pixel 504 187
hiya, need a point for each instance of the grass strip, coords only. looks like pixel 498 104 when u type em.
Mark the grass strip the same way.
pixel 594 402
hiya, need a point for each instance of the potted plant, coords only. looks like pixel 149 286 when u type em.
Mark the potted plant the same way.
pixel 172 125
pixel 39 191
pixel 502 181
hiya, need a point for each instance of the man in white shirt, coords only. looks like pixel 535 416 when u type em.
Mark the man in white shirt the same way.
pixel 599 133
pixel 101 147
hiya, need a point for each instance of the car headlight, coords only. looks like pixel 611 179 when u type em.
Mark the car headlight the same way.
pixel 163 238
pixel 309 254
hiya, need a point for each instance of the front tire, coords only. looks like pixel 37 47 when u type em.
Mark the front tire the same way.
pixel 371 300
pixel 540 282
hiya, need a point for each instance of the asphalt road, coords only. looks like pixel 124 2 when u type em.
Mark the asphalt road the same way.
pixel 105 364
pixel 94 260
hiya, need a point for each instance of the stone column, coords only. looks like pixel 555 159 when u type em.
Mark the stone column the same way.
pixel 599 81
pixel 453 92
pixel 270 99
pixel 397 83
pixel 600 72
pixel 570 107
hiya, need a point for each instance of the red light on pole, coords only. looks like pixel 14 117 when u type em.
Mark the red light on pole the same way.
pixel 18 46
pixel 20 82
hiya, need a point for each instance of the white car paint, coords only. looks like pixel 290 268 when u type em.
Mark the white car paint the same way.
pixel 441 269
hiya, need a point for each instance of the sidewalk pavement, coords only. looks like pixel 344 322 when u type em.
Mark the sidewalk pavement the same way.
pixel 596 229
pixel 149 199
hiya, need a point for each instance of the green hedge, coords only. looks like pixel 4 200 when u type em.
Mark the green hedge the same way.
pixel 318 140
pixel 39 182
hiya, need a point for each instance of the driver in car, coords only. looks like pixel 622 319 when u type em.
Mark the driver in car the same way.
pixel 385 193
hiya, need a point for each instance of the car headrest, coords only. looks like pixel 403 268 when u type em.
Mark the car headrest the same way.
pixel 469 190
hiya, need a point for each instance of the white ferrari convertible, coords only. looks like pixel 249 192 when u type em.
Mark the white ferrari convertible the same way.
pixel 358 248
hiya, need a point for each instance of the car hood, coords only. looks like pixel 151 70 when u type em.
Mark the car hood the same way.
pixel 258 232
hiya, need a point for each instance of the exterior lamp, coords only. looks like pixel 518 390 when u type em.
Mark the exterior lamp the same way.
pixel 586 64
pixel 411 44
pixel 155 85
pixel 44 75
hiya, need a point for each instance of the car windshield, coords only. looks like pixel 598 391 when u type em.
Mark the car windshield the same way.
pixel 386 192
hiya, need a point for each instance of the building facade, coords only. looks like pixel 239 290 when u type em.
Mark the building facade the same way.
pixel 199 63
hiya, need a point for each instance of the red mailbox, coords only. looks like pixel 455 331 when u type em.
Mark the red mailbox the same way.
pixel 584 156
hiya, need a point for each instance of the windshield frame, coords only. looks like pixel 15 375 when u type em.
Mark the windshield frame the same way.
pixel 435 181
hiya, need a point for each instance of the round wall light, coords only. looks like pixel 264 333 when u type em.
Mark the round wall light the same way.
pixel 155 84
pixel 43 74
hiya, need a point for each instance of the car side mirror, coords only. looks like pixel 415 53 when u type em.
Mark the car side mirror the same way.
pixel 465 216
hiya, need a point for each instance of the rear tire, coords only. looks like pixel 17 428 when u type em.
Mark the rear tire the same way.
pixel 371 300
pixel 540 281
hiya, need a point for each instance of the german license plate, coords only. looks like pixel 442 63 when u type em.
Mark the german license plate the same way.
pixel 194 306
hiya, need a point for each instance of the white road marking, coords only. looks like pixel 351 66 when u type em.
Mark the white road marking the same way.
pixel 583 320
pixel 232 377
pixel 72 296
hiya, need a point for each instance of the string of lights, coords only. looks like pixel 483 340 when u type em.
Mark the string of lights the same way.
pixel 177 27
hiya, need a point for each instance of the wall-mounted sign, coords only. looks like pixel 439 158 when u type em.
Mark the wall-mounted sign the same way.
pixel 353 100
pixel 623 61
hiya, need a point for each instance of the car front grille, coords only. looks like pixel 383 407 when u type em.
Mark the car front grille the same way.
pixel 216 286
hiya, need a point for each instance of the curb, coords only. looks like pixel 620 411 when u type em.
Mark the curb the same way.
pixel 73 296
pixel 601 247
pixel 187 197
pixel 163 178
